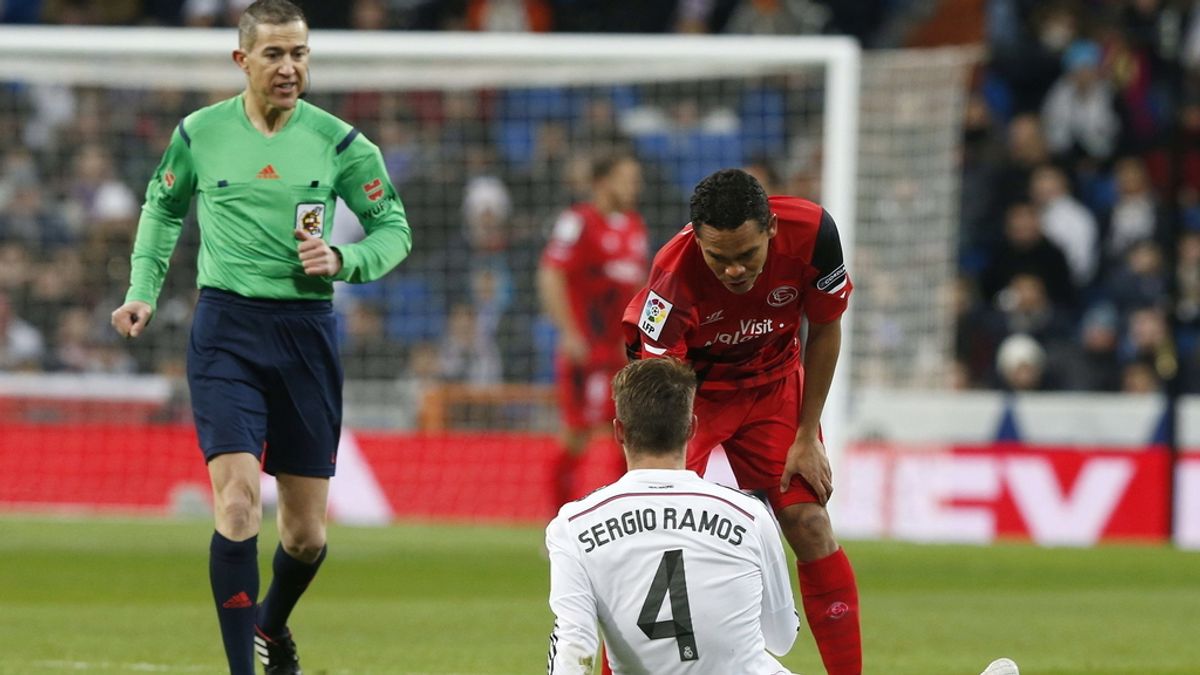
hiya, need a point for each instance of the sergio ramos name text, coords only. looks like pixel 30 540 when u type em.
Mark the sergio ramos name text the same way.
pixel 637 521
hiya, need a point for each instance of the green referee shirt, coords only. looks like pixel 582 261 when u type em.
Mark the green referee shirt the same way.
pixel 254 191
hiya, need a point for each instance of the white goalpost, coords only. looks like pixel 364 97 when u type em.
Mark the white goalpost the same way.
pixel 482 133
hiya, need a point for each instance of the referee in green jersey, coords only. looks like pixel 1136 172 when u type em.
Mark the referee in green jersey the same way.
pixel 262 362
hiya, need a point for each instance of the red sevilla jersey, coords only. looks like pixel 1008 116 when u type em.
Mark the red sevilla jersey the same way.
pixel 736 341
pixel 604 259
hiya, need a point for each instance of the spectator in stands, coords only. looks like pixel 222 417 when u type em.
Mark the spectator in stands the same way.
pixel 510 16
pixel 367 353
pixel 1132 67
pixel 82 12
pixel 598 127
pixel 979 200
pixel 369 15
pixel 975 339
pixel 1187 279
pixel 16 270
pixel 1027 42
pixel 548 164
pixel 692 17
pixel 58 283
pixel 1021 363
pixel 1078 113
pixel 1140 377
pixel 1148 339
pixel 1026 150
pixel 19 168
pixel 614 16
pixel 213 13
pixel 21 345
pixel 1025 250
pixel 1094 365
pixel 26 218
pixel 1136 215
pixel 82 345
pixel 402 153
pixel 1066 222
pixel 778 17
pixel 766 173
pixel 1140 280
pixel 1025 307
pixel 486 210
pixel 467 353
pixel 96 193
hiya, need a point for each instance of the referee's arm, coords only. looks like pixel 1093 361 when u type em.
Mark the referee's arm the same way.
pixel 168 196
pixel 364 185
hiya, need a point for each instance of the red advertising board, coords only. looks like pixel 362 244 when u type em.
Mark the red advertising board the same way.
pixel 1052 495
pixel 476 476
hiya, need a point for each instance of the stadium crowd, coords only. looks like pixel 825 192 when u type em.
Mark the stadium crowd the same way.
pixel 1080 219
pixel 1080 222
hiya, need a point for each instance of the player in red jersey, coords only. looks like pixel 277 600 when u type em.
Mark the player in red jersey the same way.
pixel 596 260
pixel 729 294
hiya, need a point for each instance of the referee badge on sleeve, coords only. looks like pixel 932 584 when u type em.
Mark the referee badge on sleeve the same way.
pixel 654 315
pixel 310 217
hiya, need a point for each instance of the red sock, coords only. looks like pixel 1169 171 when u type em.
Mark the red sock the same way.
pixel 831 605
pixel 563 481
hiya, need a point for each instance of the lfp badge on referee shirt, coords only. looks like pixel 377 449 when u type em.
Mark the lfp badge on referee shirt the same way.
pixel 311 218
pixel 654 315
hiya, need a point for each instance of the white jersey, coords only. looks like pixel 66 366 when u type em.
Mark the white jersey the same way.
pixel 683 576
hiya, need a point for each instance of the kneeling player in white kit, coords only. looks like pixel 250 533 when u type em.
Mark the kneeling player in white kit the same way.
pixel 683 576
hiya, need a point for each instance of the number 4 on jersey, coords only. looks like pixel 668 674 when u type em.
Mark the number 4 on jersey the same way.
pixel 670 579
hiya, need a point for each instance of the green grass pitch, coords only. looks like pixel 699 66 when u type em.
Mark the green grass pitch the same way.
pixel 131 596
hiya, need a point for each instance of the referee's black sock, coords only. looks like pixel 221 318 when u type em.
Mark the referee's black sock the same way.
pixel 233 572
pixel 291 578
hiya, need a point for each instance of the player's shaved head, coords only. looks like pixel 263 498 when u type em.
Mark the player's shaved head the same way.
pixel 654 404
pixel 727 199
pixel 274 12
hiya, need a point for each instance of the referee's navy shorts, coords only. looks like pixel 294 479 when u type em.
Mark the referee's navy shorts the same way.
pixel 265 375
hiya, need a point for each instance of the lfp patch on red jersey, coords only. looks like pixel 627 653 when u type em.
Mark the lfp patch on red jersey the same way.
pixel 654 315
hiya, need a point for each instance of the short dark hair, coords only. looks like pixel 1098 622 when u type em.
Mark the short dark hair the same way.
pixel 274 12
pixel 604 164
pixel 728 198
pixel 654 404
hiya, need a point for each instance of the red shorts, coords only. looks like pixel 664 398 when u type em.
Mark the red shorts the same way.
pixel 756 427
pixel 584 395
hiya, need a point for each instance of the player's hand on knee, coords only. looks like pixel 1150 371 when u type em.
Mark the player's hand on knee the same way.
pixel 130 319
pixel 806 459
pixel 318 257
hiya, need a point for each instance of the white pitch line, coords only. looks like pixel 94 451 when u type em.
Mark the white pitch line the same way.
pixel 162 668
pixel 123 667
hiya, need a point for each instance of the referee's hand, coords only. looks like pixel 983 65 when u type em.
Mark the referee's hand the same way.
pixel 317 256
pixel 130 319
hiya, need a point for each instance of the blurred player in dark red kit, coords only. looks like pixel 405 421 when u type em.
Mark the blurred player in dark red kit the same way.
pixel 729 294
pixel 595 262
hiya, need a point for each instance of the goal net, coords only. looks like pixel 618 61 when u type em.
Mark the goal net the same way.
pixel 487 138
